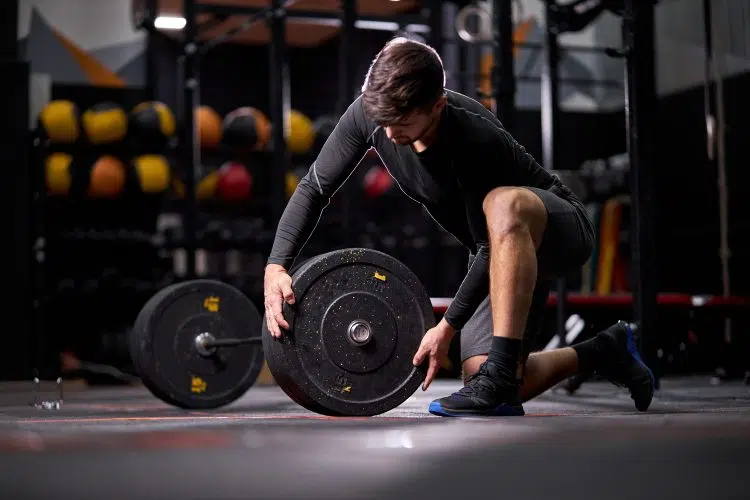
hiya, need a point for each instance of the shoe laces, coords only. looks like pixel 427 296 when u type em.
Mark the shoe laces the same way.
pixel 478 383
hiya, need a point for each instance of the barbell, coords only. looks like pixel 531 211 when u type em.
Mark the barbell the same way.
pixel 358 318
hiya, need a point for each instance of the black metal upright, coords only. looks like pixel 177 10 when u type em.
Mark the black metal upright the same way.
pixel 347 50
pixel 550 111
pixel 23 310
pixel 503 73
pixel 640 103
pixel 151 66
pixel 189 144
pixel 280 107
pixel 9 30
pixel 435 21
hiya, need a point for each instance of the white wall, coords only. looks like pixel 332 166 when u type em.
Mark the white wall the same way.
pixel 680 43
pixel 92 24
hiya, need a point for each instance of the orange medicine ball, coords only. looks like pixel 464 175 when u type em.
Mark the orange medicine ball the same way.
pixel 209 125
pixel 107 177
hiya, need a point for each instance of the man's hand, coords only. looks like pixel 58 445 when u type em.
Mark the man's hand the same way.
pixel 435 344
pixel 277 289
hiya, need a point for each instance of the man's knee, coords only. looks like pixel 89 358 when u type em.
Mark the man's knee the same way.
pixel 513 209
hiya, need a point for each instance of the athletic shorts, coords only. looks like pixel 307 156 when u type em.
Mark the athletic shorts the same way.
pixel 566 246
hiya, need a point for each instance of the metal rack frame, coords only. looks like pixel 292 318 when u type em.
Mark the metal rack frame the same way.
pixel 276 15
pixel 638 31
pixel 640 102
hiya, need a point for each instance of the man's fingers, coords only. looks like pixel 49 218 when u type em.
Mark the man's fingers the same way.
pixel 281 322
pixel 419 357
pixel 272 326
pixel 431 372
pixel 287 293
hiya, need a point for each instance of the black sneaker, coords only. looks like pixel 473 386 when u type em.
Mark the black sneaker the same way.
pixel 624 367
pixel 480 396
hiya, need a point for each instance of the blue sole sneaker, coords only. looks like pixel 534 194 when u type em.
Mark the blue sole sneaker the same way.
pixel 481 396
pixel 503 410
pixel 626 368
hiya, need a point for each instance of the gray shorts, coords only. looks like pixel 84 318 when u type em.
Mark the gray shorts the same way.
pixel 566 246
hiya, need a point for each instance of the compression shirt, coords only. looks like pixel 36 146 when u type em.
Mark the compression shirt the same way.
pixel 471 155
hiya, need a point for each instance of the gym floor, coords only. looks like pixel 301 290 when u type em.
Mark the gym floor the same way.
pixel 124 443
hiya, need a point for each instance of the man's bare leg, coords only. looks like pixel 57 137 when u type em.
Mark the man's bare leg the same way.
pixel 611 353
pixel 543 370
pixel 516 221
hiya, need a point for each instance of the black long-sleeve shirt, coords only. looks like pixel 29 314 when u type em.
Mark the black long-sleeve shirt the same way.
pixel 471 155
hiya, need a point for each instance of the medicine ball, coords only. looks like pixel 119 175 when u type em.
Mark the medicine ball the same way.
pixel 377 181
pixel 152 123
pixel 153 173
pixel 301 134
pixel 292 179
pixel 59 121
pixel 105 123
pixel 209 127
pixel 107 177
pixel 247 128
pixel 234 182
pixel 57 174
pixel 206 188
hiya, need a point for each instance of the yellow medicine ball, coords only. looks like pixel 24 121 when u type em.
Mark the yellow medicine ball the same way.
pixel 153 173
pixel 300 135
pixel 105 123
pixel 59 121
pixel 57 174
pixel 206 188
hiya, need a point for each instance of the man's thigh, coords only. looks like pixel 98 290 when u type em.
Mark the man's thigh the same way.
pixel 476 335
pixel 568 238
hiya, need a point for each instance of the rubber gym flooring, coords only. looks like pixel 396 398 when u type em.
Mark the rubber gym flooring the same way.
pixel 123 443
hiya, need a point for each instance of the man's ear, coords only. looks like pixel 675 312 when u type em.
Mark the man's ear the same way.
pixel 441 102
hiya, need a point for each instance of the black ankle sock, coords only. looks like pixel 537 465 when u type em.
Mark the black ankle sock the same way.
pixel 504 355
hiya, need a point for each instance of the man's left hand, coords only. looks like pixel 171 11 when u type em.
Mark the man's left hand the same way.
pixel 435 344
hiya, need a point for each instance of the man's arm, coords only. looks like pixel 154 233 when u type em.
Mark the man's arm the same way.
pixel 473 290
pixel 338 157
pixel 497 151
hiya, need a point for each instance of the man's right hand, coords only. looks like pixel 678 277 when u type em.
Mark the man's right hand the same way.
pixel 277 289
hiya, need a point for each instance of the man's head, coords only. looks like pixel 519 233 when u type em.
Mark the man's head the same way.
pixel 404 90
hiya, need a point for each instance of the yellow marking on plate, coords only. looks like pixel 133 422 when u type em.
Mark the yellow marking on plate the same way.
pixel 212 304
pixel 198 385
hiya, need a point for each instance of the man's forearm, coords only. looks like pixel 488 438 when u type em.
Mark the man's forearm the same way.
pixel 473 290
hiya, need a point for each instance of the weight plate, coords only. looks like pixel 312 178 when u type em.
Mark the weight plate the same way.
pixel 140 325
pixel 164 351
pixel 358 319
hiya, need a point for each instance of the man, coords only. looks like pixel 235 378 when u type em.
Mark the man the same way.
pixel 522 225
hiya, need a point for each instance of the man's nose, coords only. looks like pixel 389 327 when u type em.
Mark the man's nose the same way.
pixel 389 132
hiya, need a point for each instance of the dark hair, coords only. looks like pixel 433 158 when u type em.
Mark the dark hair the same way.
pixel 405 76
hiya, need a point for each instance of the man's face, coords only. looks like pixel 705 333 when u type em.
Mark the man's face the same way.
pixel 410 129
pixel 414 126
